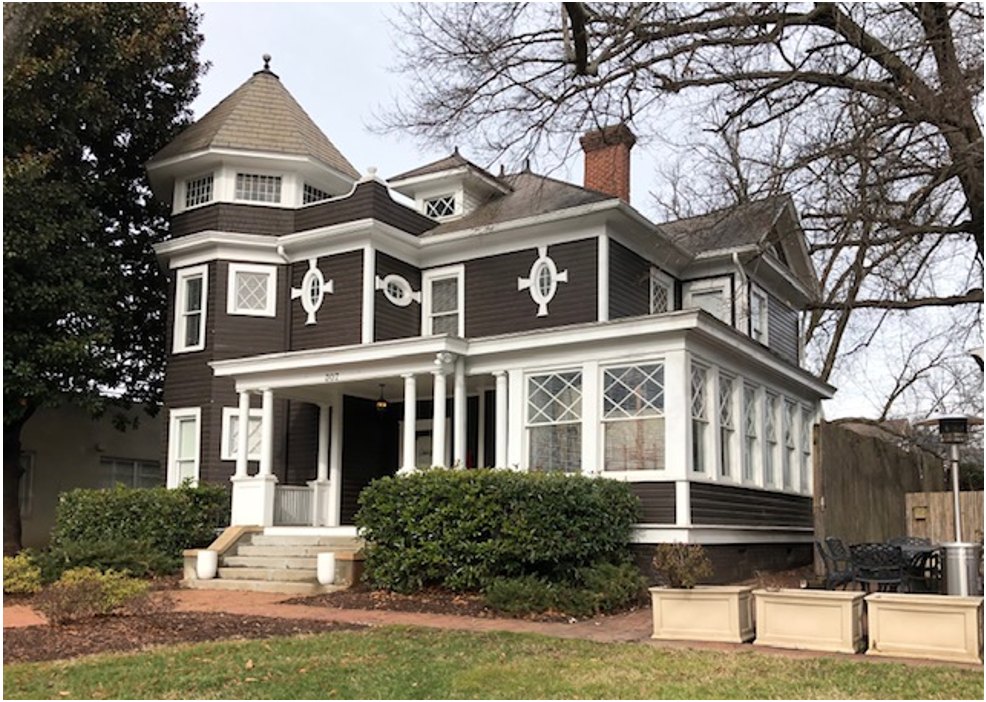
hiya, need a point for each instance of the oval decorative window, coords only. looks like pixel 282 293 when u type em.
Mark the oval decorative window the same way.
pixel 398 290
pixel 312 290
pixel 543 280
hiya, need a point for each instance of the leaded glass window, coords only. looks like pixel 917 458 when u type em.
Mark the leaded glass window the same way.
pixel 633 417
pixel 554 421
pixel 806 442
pixel 660 292
pixel 750 432
pixel 790 418
pixel 726 425
pixel 700 416
pixel 439 207
pixel 770 438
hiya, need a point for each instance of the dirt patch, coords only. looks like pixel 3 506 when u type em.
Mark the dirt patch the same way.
pixel 120 634
pixel 432 601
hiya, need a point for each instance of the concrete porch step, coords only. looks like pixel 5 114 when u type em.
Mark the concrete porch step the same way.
pixel 268 562
pixel 287 588
pixel 328 543
pixel 285 551
pixel 299 575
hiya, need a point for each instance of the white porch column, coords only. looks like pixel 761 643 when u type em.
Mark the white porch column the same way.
pixel 253 496
pixel 243 439
pixel 320 486
pixel 501 419
pixel 335 461
pixel 459 414
pixel 515 420
pixel 438 420
pixel 267 435
pixel 409 459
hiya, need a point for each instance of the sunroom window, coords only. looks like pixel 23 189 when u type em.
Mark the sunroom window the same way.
pixel 554 422
pixel 255 187
pixel 751 431
pixel 633 417
pixel 726 426
pixel 770 438
pixel 440 207
pixel 700 417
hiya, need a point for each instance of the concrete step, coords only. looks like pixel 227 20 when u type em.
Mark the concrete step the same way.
pixel 268 562
pixel 299 575
pixel 285 551
pixel 347 543
pixel 287 588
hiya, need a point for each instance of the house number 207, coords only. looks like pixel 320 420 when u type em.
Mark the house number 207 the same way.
pixel 332 377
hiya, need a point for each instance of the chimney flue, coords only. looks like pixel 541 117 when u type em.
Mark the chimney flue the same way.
pixel 607 160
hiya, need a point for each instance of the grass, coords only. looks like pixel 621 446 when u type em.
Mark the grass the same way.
pixel 407 663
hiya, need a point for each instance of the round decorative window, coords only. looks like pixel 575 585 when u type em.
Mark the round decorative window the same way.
pixel 397 290
pixel 543 281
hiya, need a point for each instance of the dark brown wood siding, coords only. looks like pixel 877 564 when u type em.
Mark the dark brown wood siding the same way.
pixel 339 321
pixel 657 502
pixel 236 336
pixel 734 506
pixel 369 201
pixel 629 282
pixel 495 306
pixel 782 330
pixel 393 322
pixel 231 217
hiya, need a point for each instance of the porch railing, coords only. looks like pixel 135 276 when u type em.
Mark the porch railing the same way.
pixel 293 505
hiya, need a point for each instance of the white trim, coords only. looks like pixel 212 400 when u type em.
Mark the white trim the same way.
pixel 602 279
pixel 435 274
pixel 657 278
pixel 174 417
pixel 758 292
pixel 720 284
pixel 227 451
pixel 407 293
pixel 656 534
pixel 369 288
pixel 270 310
pixel 631 476
pixel 178 331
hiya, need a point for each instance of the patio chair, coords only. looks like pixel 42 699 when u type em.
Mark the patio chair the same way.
pixel 922 573
pixel 878 565
pixel 838 567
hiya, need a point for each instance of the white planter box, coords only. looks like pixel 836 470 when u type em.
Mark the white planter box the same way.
pixel 942 627
pixel 815 620
pixel 708 613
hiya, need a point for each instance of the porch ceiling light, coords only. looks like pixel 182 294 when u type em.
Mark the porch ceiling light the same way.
pixel 382 403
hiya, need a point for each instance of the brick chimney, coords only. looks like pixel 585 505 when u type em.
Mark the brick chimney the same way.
pixel 607 160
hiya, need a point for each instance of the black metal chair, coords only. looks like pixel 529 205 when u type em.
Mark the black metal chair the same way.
pixel 838 566
pixel 878 565
pixel 922 572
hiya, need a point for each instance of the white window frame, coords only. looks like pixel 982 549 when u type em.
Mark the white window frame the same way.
pixel 579 422
pixel 659 279
pixel 709 421
pixel 771 446
pixel 314 190
pixel 752 460
pixel 281 183
pixel 456 204
pixel 806 420
pixel 722 285
pixel 436 274
pixel 763 323
pixel 187 183
pixel 231 292
pixel 727 434
pixel 228 447
pixel 789 443
pixel 631 475
pixel 179 345
pixel 174 417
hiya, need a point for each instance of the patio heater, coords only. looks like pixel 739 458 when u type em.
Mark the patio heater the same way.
pixel 962 560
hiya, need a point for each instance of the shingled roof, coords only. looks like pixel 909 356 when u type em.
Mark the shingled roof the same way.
pixel 260 115
pixel 728 228
pixel 531 195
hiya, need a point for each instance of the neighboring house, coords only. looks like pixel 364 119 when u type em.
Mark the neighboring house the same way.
pixel 358 327
pixel 64 448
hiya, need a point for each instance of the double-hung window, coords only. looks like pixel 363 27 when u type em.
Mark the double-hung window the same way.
pixel 131 473
pixel 231 434
pixel 183 446
pixel 726 425
pixel 806 441
pixel 633 417
pixel 770 438
pixel 554 422
pixel 751 433
pixel 444 301
pixel 700 417
pixel 661 292
pixel 790 418
pixel 191 291
pixel 251 290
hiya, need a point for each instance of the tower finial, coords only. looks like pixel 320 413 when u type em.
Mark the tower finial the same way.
pixel 266 58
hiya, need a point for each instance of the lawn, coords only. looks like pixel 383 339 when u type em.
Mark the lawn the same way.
pixel 417 663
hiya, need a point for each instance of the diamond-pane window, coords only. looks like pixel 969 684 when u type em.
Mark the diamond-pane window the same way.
pixel 251 290
pixel 554 398
pixel 439 207
pixel 198 191
pixel 660 292
pixel 258 188
pixel 633 417
pixel 633 391
pixel 726 401
pixel 699 376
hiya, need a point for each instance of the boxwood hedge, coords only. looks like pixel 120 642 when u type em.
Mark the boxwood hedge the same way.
pixel 461 529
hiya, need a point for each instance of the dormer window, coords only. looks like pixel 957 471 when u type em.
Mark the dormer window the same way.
pixel 198 191
pixel 312 194
pixel 258 188
pixel 440 207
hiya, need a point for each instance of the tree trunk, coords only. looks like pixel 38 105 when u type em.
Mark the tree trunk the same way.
pixel 12 473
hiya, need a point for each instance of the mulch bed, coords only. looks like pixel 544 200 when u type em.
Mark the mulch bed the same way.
pixel 134 633
pixel 433 601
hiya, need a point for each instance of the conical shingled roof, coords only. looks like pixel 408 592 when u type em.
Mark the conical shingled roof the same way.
pixel 260 115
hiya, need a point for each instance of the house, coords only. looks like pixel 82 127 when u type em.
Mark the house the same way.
pixel 328 328
pixel 63 448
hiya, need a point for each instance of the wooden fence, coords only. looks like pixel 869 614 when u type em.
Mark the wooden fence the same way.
pixel 930 515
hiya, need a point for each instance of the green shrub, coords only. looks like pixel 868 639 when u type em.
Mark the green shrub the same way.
pixel 460 529
pixel 681 565
pixel 166 521
pixel 599 589
pixel 137 558
pixel 86 592
pixel 21 574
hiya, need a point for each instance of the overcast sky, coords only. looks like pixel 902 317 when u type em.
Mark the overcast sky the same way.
pixel 335 59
